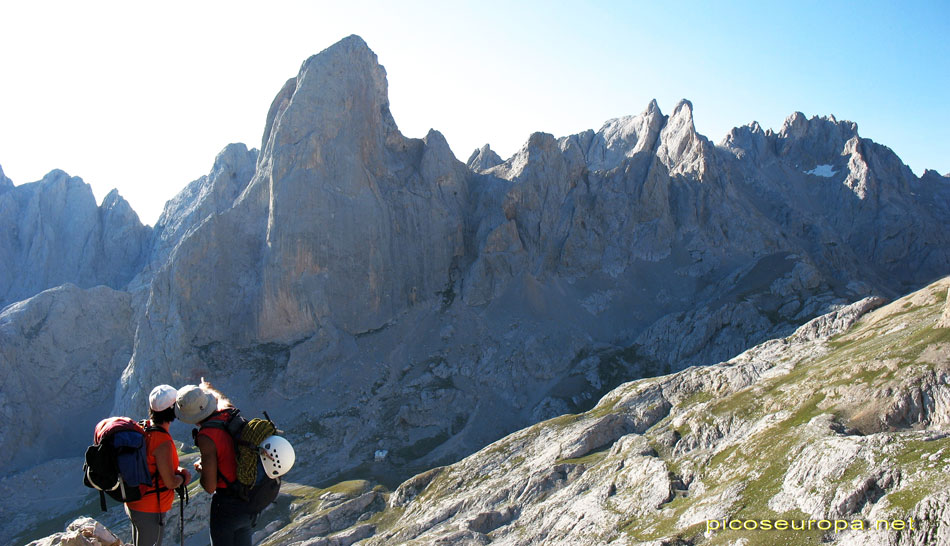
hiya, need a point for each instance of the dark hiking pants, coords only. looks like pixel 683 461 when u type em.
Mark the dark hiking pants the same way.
pixel 230 523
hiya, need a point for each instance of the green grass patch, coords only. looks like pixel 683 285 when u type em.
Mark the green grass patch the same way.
pixel 806 412
pixel 904 500
pixel 922 338
pixel 351 488
pixel 386 519
pixel 561 421
pixel 912 452
pixel 696 398
pixel 857 469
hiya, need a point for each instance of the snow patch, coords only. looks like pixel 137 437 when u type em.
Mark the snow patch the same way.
pixel 822 170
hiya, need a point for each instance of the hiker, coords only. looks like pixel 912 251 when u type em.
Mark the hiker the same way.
pixel 148 513
pixel 230 522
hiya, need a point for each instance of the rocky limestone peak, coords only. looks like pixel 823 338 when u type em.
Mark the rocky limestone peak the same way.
pixel 59 195
pixel 748 140
pixel 5 183
pixel 114 204
pixel 538 151
pixel 816 146
pixel 334 156
pixel 795 125
pixel 929 174
pixel 340 93
pixel 625 137
pixel 798 126
pixel 231 160
pixel 683 104
pixel 53 232
pixel 680 146
pixel 483 159
pixel 113 199
pixel 118 213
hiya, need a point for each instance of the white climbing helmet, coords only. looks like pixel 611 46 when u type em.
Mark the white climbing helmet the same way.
pixel 277 455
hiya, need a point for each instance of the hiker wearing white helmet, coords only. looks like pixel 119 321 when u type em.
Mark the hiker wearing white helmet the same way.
pixel 148 514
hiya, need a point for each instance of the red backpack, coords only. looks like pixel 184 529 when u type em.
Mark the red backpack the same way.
pixel 117 462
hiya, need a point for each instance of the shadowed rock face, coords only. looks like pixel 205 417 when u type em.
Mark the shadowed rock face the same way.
pixel 373 293
pixel 52 232
pixel 61 353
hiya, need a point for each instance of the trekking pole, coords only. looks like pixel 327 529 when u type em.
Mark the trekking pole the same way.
pixel 182 501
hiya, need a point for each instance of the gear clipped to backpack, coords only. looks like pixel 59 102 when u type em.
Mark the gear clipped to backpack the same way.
pixel 117 462
pixel 262 458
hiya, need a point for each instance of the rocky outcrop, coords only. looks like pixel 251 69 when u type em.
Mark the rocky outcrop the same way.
pixel 944 320
pixel 61 353
pixel 5 183
pixel 483 159
pixel 362 223
pixel 207 196
pixel 81 532
pixel 52 232
pixel 344 226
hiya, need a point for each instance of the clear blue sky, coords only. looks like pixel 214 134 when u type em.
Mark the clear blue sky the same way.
pixel 141 97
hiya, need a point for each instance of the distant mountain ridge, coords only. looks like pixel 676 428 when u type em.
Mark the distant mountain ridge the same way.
pixel 374 293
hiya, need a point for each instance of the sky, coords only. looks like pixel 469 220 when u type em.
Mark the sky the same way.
pixel 142 96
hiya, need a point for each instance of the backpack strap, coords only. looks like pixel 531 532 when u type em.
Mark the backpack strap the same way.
pixel 149 429
pixel 219 424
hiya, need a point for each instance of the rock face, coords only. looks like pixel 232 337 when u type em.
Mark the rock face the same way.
pixel 376 295
pixel 61 353
pixel 52 232
pixel 362 222
pixel 207 196
pixel 483 159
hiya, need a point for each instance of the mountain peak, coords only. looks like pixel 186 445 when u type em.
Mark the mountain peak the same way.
pixel 679 143
pixel 483 159
pixel 683 104
pixel 352 47
pixel 341 91
pixel 798 126
pixel 625 137
pixel 5 183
